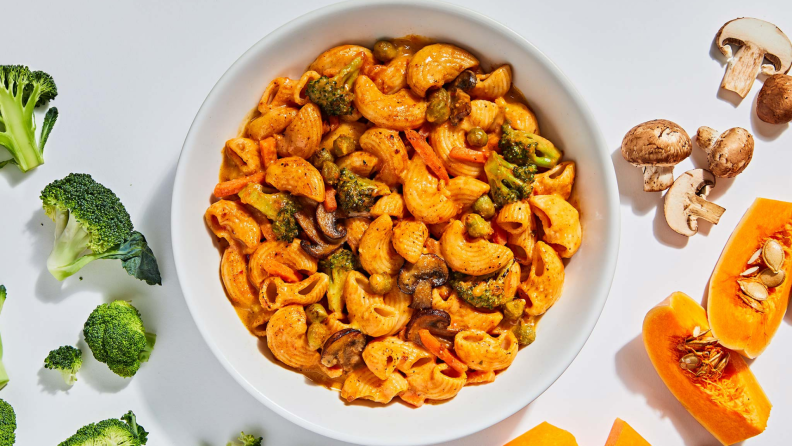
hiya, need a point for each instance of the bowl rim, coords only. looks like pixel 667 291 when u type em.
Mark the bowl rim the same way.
pixel 609 256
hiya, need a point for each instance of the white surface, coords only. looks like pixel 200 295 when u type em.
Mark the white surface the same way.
pixel 132 76
pixel 561 333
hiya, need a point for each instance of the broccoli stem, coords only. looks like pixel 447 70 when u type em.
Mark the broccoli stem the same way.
pixel 20 128
pixel 349 73
pixel 3 374
pixel 70 243
pixel 145 355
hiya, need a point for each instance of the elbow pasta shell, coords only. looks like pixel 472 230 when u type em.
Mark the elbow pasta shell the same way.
pixel 433 381
pixel 423 197
pixel 392 204
pixel 483 114
pixel 370 312
pixel 352 129
pixel 558 181
pixel 360 163
pixel 333 60
pixel 515 217
pixel 287 341
pixel 444 138
pixel 434 65
pixel 480 377
pixel 463 315
pixel 389 148
pixel 356 227
pixel 493 85
pixel 272 122
pixel 289 254
pixel 245 154
pixel 408 239
pixel 560 221
pixel 233 270
pixel 522 243
pixel 300 97
pixel 480 351
pixel 302 136
pixel 399 111
pixel 400 302
pixel 518 115
pixel 394 76
pixel 229 220
pixel 385 355
pixel 545 282
pixel 275 293
pixel 475 258
pixel 298 176
pixel 362 383
pixel 377 255
pixel 278 93
pixel 465 190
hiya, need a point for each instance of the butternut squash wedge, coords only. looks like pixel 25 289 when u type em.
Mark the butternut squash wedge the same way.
pixel 622 434
pixel 744 311
pixel 544 434
pixel 727 400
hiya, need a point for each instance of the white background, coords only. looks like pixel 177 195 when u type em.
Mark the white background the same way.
pixel 132 76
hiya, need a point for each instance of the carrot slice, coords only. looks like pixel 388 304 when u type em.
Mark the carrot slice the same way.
pixel 275 268
pixel 436 348
pixel 329 203
pixel 427 153
pixel 500 236
pixel 266 231
pixel 470 155
pixel 232 187
pixel 269 152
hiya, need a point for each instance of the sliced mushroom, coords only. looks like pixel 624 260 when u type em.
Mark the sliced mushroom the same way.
pixel 774 104
pixel 758 40
pixel 686 202
pixel 728 153
pixel 329 224
pixel 320 248
pixel 656 146
pixel 420 277
pixel 344 348
pixel 436 321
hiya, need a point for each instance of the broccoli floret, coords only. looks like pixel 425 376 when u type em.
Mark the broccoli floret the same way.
pixel 337 266
pixel 112 432
pixel 21 91
pixel 246 440
pixel 334 95
pixel 8 424
pixel 90 224
pixel 279 208
pixel 356 194
pixel 524 148
pixel 482 291
pixel 508 182
pixel 3 373
pixel 66 360
pixel 117 337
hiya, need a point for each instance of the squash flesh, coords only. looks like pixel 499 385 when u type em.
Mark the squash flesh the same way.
pixel 622 434
pixel 732 407
pixel 736 325
pixel 544 434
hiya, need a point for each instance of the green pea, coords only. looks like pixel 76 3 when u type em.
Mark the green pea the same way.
pixel 317 334
pixel 343 145
pixel 330 172
pixel 484 206
pixel 320 157
pixel 524 333
pixel 513 310
pixel 384 51
pixel 439 108
pixel 315 313
pixel 381 283
pixel 476 226
pixel 477 137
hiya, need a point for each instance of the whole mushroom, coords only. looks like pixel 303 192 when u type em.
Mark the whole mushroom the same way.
pixel 344 349
pixel 420 277
pixel 656 146
pixel 686 202
pixel 728 153
pixel 774 104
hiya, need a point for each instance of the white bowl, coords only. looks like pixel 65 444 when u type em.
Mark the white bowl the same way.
pixel 564 119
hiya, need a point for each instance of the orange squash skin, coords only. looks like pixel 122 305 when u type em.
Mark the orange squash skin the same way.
pixel 736 325
pixel 544 434
pixel 622 434
pixel 734 407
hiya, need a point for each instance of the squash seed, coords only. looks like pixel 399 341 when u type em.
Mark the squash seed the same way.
pixel 754 289
pixel 690 362
pixel 750 271
pixel 771 279
pixel 751 303
pixel 755 257
pixel 773 255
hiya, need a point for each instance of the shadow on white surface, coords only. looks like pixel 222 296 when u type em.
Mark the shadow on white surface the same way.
pixel 98 375
pixel 11 173
pixel 630 180
pixel 51 381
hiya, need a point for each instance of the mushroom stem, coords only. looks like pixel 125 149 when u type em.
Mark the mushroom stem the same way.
pixel 705 137
pixel 743 69
pixel 658 178
pixel 701 208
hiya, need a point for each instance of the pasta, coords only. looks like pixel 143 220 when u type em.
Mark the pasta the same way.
pixel 354 213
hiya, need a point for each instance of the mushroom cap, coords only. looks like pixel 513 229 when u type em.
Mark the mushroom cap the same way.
pixel 328 224
pixel 318 247
pixel 657 143
pixel 429 267
pixel 679 208
pixel 344 348
pixel 729 153
pixel 436 321
pixel 774 104
pixel 745 30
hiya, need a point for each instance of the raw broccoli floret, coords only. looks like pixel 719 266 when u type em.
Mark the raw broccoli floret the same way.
pixel 66 360
pixel 507 181
pixel 90 224
pixel 246 440
pixel 334 95
pixel 112 432
pixel 356 194
pixel 8 424
pixel 117 337
pixel 337 266
pixel 3 373
pixel 482 291
pixel 279 208
pixel 21 91
pixel 524 148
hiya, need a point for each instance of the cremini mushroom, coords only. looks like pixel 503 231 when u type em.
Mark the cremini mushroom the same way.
pixel 656 146
pixel 329 224
pixel 758 40
pixel 318 246
pixel 728 153
pixel 344 348
pixel 420 277
pixel 686 202
pixel 436 321
pixel 774 104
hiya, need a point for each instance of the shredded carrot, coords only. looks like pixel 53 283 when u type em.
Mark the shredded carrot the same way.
pixel 334 122
pixel 480 377
pixel 266 231
pixel 470 155
pixel 269 152
pixel 492 143
pixel 329 203
pixel 500 236
pixel 232 187
pixel 325 127
pixel 436 348
pixel 427 153
pixel 412 397
pixel 425 130
pixel 275 268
